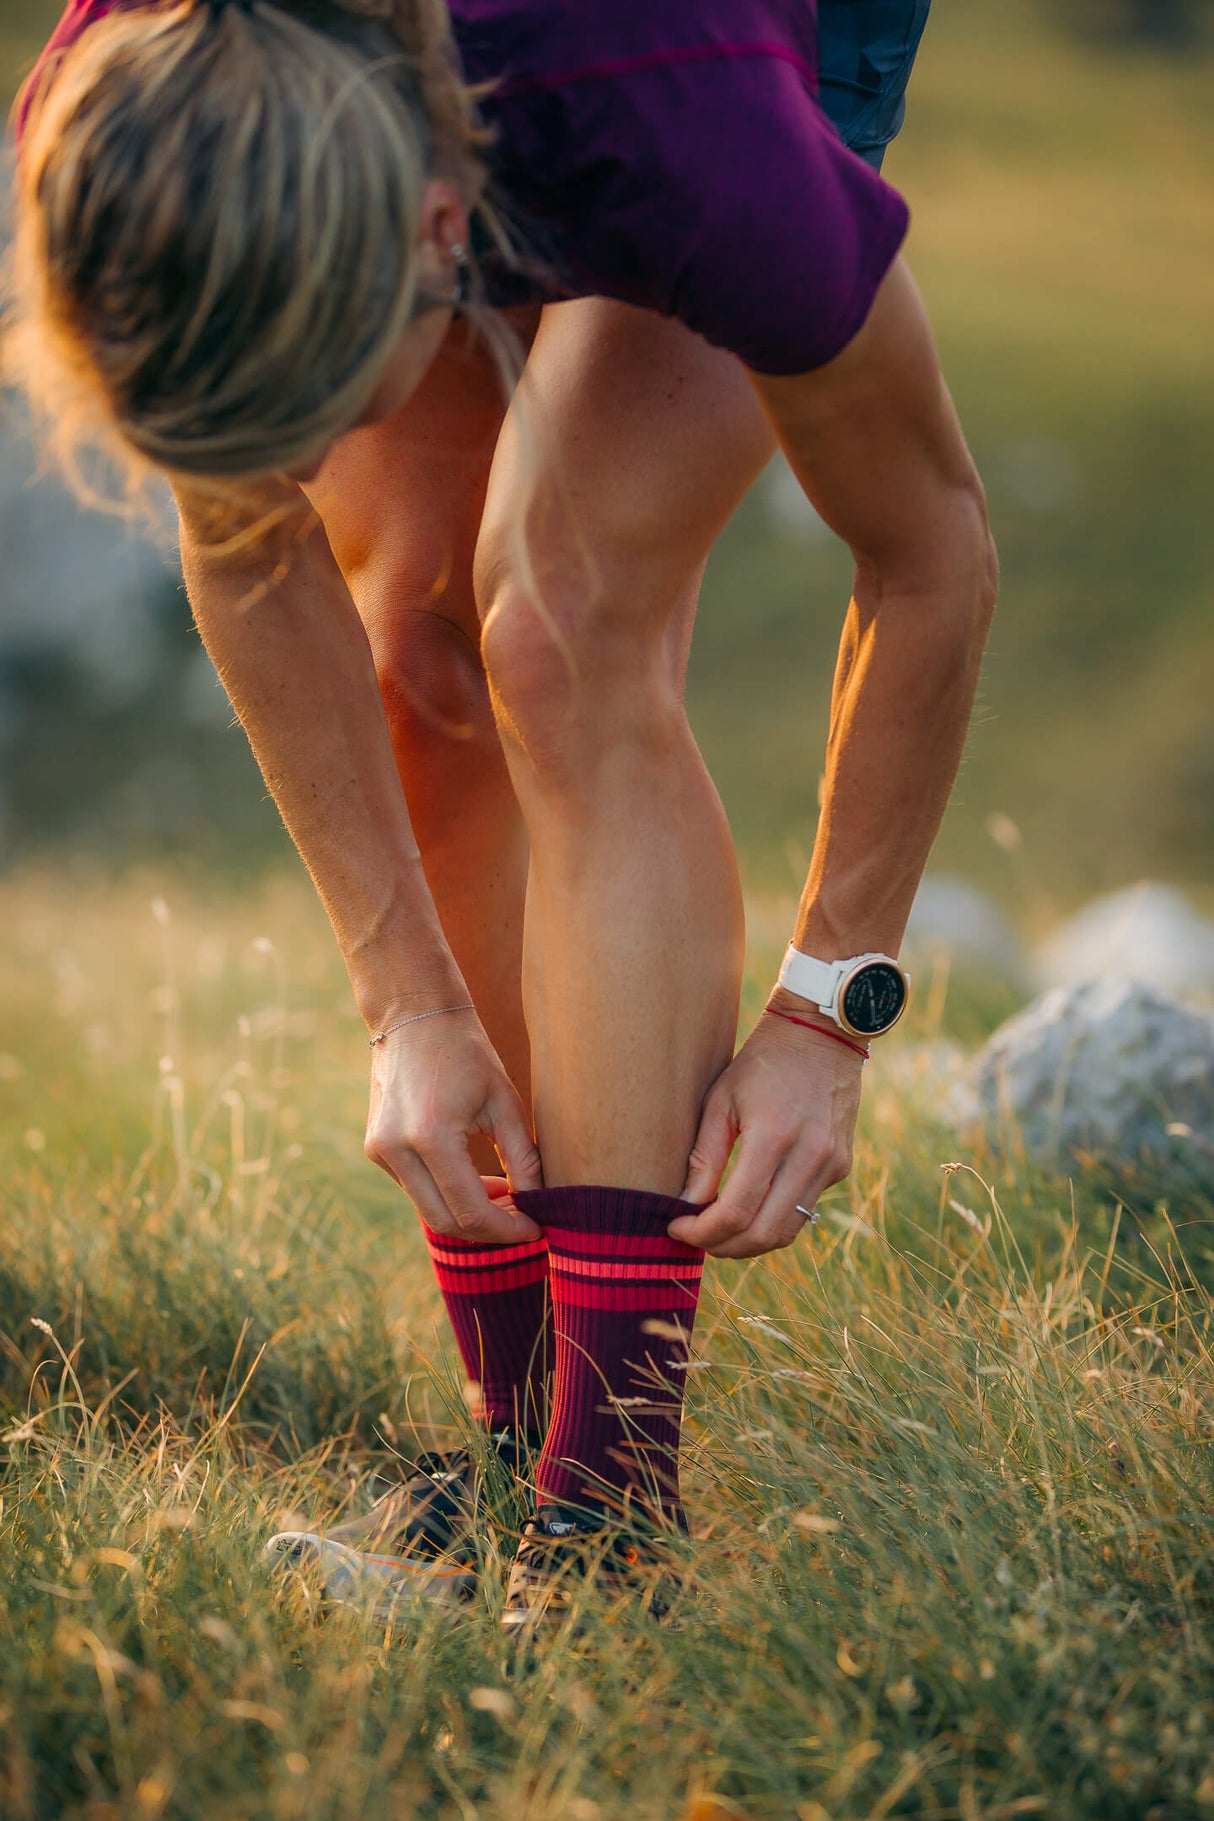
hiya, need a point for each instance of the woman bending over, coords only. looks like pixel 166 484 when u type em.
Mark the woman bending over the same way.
pixel 271 248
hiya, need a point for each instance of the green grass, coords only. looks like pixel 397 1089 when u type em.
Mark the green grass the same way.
pixel 948 1461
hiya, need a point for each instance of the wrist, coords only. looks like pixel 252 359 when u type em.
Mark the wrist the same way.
pixel 781 1000
pixel 814 1022
pixel 396 955
pixel 401 1024
pixel 864 995
pixel 434 982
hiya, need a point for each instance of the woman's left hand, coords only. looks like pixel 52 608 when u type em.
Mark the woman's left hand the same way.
pixel 789 1101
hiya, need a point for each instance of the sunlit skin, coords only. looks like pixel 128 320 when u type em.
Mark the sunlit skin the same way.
pixel 558 853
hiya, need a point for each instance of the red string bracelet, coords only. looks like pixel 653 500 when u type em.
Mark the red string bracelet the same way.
pixel 861 1049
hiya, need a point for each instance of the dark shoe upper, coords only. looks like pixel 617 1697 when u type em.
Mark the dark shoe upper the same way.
pixel 433 1511
pixel 562 1547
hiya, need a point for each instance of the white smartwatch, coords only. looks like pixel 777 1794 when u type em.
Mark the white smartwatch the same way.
pixel 866 995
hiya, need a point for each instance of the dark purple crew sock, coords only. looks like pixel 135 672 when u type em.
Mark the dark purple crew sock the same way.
pixel 497 1298
pixel 624 1300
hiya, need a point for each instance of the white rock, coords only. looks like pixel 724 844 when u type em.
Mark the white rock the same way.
pixel 1147 932
pixel 953 918
pixel 1112 1073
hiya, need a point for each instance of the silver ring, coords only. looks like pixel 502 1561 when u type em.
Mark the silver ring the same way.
pixel 810 1214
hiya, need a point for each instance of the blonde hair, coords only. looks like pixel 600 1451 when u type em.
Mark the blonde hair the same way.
pixel 216 222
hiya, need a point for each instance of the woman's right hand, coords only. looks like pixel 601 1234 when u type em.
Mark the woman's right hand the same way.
pixel 435 1085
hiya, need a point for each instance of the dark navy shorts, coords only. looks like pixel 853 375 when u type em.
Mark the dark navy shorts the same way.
pixel 865 52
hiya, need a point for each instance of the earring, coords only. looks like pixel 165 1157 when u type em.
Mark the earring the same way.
pixel 459 259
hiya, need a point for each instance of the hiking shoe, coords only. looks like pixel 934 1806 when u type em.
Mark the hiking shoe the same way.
pixel 434 1511
pixel 430 1514
pixel 383 1583
pixel 417 1540
pixel 562 1548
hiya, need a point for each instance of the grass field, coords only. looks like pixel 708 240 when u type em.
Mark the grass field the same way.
pixel 948 1462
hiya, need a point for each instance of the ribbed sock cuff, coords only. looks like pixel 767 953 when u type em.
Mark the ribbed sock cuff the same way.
pixel 595 1209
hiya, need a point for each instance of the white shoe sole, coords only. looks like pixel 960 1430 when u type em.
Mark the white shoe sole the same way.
pixel 384 1583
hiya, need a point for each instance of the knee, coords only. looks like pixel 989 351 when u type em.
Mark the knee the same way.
pixel 431 679
pixel 576 666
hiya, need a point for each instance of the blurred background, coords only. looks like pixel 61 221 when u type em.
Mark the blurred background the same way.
pixel 1058 156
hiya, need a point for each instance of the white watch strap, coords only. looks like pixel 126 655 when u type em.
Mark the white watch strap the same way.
pixel 809 978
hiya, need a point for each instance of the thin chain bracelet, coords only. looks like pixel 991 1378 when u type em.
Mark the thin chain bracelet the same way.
pixel 417 1018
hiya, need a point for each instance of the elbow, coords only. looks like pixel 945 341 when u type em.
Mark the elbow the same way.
pixel 960 576
pixel 984 560
pixel 929 563
pixel 964 564
pixel 937 580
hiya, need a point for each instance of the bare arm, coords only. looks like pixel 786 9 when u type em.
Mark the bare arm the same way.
pixel 874 440
pixel 283 633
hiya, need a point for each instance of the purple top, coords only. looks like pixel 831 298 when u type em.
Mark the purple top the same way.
pixel 672 154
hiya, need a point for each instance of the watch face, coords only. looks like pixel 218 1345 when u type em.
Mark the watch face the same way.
pixel 874 998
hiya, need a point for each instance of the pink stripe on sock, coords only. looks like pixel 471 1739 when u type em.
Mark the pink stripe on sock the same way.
pixel 657 1270
pixel 619 1245
pixel 442 1248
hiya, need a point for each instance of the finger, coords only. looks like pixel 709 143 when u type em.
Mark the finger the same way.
pixel 411 1175
pixel 501 1195
pixel 465 1196
pixel 710 1152
pixel 800 1179
pixel 739 1201
pixel 515 1143
pixel 777 1223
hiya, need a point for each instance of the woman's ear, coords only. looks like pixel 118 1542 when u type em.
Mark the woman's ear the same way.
pixel 442 232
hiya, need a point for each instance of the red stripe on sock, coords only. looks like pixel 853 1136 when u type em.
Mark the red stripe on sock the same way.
pixel 491 1283
pixel 497 1299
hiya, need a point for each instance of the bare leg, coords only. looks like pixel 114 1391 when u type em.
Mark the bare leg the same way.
pixel 634 930
pixel 401 504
